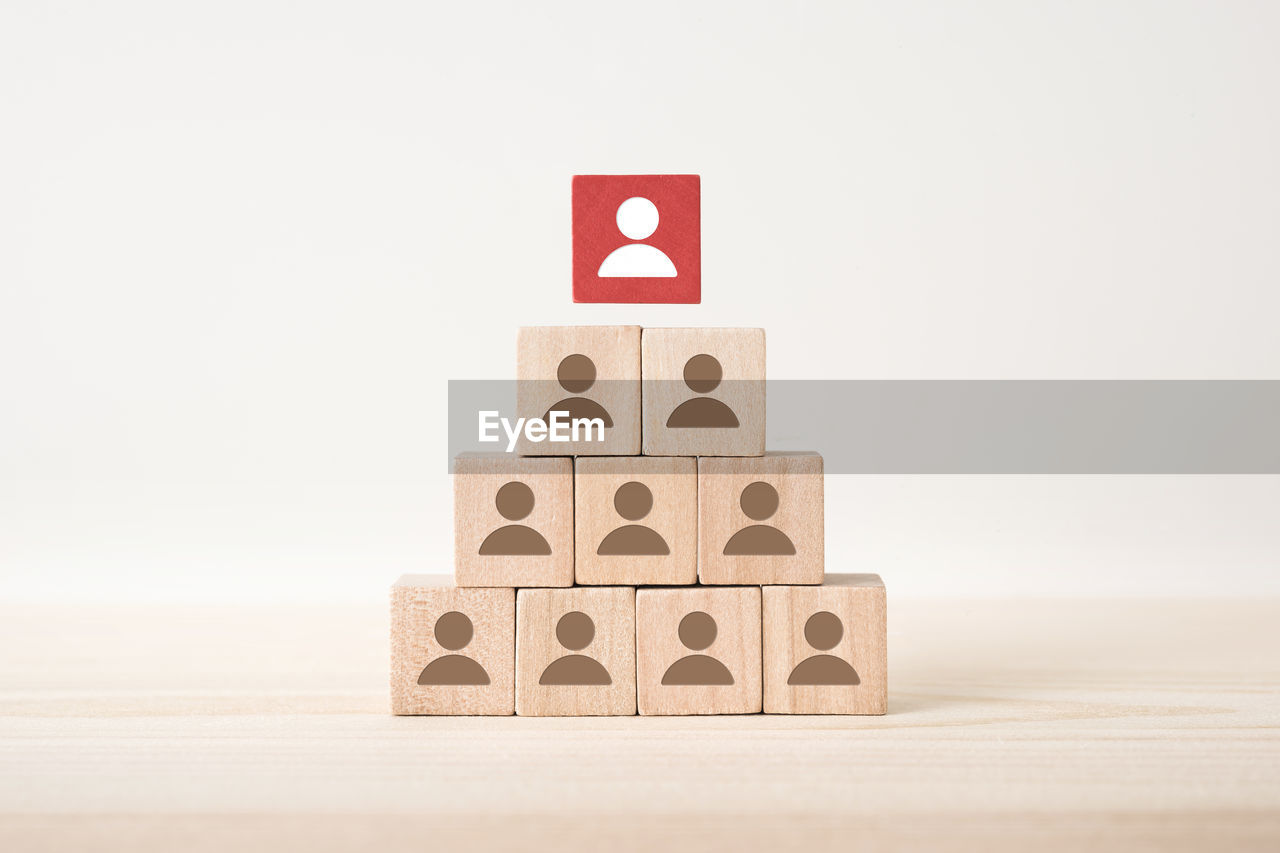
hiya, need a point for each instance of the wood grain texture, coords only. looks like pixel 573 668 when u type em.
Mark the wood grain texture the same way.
pixel 615 353
pixel 1014 724
pixel 541 651
pixel 858 602
pixel 477 479
pixel 660 646
pixel 672 484
pixel 741 356
pixel 417 603
pixel 796 479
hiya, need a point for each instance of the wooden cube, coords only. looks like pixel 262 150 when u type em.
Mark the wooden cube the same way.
pixel 576 652
pixel 588 372
pixel 760 520
pixel 703 392
pixel 698 650
pixel 512 520
pixel 636 520
pixel 825 647
pixel 452 650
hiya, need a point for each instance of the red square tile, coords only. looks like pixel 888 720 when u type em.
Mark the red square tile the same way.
pixel 637 238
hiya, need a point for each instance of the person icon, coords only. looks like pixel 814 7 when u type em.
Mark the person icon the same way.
pixel 453 632
pixel 514 501
pixel 637 219
pixel 823 630
pixel 575 631
pixel 576 374
pixel 697 631
pixel 702 374
pixel 759 501
pixel 633 501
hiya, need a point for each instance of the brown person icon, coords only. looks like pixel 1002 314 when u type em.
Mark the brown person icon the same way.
pixel 823 630
pixel 575 631
pixel 702 374
pixel 633 501
pixel 453 632
pixel 514 501
pixel 697 631
pixel 576 374
pixel 759 501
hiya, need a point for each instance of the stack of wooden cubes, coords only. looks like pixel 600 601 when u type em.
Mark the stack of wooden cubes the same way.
pixel 664 564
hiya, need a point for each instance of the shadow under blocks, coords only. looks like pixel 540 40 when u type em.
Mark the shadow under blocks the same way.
pixel 663 564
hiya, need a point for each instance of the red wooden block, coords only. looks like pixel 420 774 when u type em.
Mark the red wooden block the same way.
pixel 637 238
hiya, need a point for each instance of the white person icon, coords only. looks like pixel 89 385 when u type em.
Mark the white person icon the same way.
pixel 637 220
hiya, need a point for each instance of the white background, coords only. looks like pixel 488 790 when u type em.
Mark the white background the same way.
pixel 244 245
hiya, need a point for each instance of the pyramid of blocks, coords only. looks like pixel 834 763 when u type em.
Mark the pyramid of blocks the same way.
pixel 654 560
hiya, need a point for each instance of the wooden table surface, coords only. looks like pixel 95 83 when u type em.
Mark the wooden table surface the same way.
pixel 1017 725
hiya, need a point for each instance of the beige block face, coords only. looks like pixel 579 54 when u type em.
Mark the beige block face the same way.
pixel 576 652
pixel 760 521
pixel 452 650
pixel 825 647
pixel 636 520
pixel 587 371
pixel 512 520
pixel 697 384
pixel 698 650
